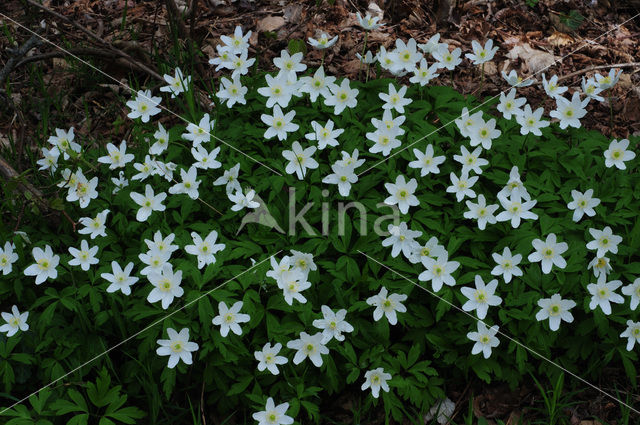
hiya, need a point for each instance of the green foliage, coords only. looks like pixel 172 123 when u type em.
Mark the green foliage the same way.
pixel 73 319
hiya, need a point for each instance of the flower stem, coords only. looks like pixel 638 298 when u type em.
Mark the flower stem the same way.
pixel 322 59
pixel 364 48
pixel 481 78
pixel 610 113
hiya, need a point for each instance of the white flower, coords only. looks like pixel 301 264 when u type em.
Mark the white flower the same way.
pixel 119 182
pixel 239 65
pixel 160 244
pixel 633 290
pixel 583 203
pixel 384 141
pixel 15 321
pixel 482 212
pixel 603 293
pixel 368 58
pixel 148 202
pixel 278 269
pixel 531 122
pixel 144 106
pixel 302 261
pixel 426 162
pixel 166 285
pixel 507 264
pixel 471 161
pixel 162 141
pixel 617 154
pixel 465 121
pixel 444 408
pixel 407 55
pixel 343 176
pixel 223 60
pixel 189 185
pixel 177 84
pixel 376 379
pixel 515 209
pixel 515 81
pixel 310 346
pixel 548 253
pixel 177 347
pixel 242 201
pixel 273 415
pixel 552 88
pixel 438 271
pixel 461 186
pixel 49 159
pixel 279 123
pixel 326 136
pixel 145 169
pixel 94 226
pixel 317 85
pixel 556 310
pixel 633 333
pixel 277 90
pixel 204 159
pixel 432 44
pixel 401 238
pixel 204 250
pixel 423 73
pixel 83 257
pixel 238 42
pixel 430 249
pixel 164 169
pixel 293 282
pixel 83 191
pixel 63 141
pixel 350 159
pixel 341 97
pixel 232 91
pixel 485 339
pixel 481 297
pixel 7 258
pixel 229 318
pixel 387 305
pixel 395 99
pixel 45 266
pixel 368 23
pixel 388 60
pixel 482 133
pixel 604 241
pixel 509 105
pixel 591 89
pixel 609 80
pixel 323 42
pixel 402 193
pixel 200 133
pixel 269 359
pixel 481 54
pixel 515 186
pixel 120 279
pixel 446 59
pixel 300 160
pixel 600 266
pixel 570 112
pixel 155 261
pixel 289 63
pixel 230 179
pixel 332 324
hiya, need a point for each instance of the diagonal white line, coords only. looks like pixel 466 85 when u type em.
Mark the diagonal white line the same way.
pixel 586 42
pixel 133 92
pixel 139 332
pixel 501 333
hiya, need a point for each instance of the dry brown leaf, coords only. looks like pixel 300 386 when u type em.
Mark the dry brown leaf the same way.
pixel 560 39
pixel 536 60
pixel 270 23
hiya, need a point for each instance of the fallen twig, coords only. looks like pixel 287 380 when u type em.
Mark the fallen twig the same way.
pixel 17 55
pixel 598 67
